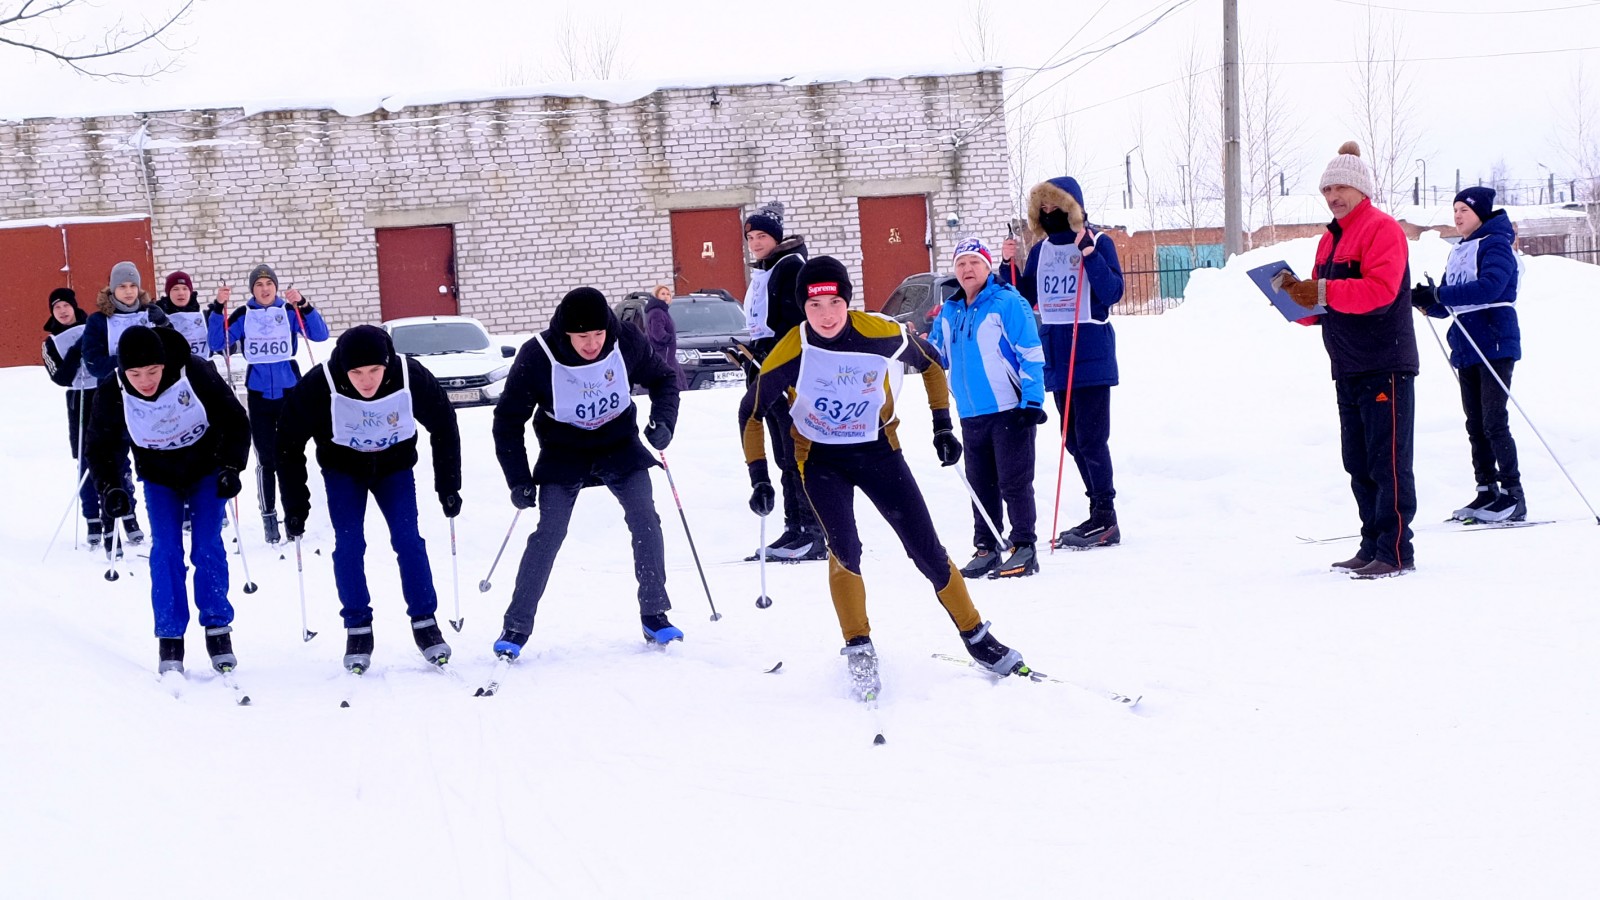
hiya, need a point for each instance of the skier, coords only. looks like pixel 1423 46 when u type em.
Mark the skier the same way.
pixel 63 360
pixel 771 312
pixel 991 342
pixel 362 407
pixel 838 371
pixel 1073 260
pixel 121 304
pixel 573 379
pixel 190 439
pixel 183 310
pixel 1480 286
pixel 269 327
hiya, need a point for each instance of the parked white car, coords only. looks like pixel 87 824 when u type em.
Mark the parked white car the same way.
pixel 471 365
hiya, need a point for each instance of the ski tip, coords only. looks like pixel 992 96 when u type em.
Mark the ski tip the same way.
pixel 344 704
pixel 775 667
pixel 878 741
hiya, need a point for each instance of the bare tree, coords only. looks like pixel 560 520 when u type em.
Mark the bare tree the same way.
pixel 1270 131
pixel 1384 111
pixel 39 26
pixel 1024 137
pixel 980 40
pixel 1193 152
pixel 1578 142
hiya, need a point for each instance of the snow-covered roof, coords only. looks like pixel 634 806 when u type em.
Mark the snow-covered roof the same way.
pixel 58 221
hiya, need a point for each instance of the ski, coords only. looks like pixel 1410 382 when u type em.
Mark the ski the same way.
pixel 1039 677
pixel 239 695
pixel 172 682
pixel 870 700
pixel 1449 526
pixel 359 674
pixel 492 686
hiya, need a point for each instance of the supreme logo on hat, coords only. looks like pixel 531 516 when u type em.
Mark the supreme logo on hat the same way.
pixel 826 287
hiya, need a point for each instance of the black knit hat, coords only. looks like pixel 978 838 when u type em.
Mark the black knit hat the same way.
pixel 1478 199
pixel 583 309
pixel 363 345
pixel 769 218
pixel 822 275
pixel 62 295
pixel 140 346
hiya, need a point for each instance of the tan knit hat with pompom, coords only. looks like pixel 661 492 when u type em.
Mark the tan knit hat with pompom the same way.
pixel 1348 168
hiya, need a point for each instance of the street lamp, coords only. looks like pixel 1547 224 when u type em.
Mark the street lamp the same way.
pixel 1127 161
pixel 1424 177
pixel 1552 176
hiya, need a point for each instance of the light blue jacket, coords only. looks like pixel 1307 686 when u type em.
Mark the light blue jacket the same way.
pixel 991 350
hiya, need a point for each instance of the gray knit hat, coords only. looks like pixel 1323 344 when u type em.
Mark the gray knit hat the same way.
pixel 258 273
pixel 124 272
pixel 1348 168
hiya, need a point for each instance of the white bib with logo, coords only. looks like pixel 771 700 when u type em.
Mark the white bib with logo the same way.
pixel 589 395
pixel 64 342
pixel 172 420
pixel 192 325
pixel 373 425
pixel 268 336
pixel 117 323
pixel 755 305
pixel 1061 284
pixel 1462 267
pixel 839 394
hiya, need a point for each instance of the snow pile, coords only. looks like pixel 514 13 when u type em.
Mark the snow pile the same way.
pixel 1301 734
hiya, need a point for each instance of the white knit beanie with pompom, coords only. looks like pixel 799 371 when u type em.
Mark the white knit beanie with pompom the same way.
pixel 1349 168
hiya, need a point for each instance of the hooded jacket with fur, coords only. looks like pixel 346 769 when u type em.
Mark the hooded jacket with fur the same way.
pixel 98 355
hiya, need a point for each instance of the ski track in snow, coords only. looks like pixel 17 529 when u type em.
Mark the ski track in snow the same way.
pixel 1300 735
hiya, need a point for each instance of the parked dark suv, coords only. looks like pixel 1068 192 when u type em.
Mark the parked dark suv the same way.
pixel 708 323
pixel 917 300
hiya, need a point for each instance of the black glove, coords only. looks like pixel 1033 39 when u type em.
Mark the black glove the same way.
pixel 947 447
pixel 1032 415
pixel 1086 240
pixel 1422 295
pixel 228 483
pixel 451 501
pixel 116 503
pixel 215 308
pixel 762 498
pixel 659 434
pixel 523 496
pixel 294 524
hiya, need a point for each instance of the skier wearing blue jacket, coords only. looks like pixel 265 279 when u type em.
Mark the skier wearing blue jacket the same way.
pixel 990 345
pixel 1072 260
pixel 1480 287
pixel 269 328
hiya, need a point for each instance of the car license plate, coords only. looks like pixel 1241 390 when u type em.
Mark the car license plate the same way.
pixel 729 375
pixel 464 396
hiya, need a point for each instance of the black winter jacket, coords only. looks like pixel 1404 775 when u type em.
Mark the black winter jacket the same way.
pixel 784 309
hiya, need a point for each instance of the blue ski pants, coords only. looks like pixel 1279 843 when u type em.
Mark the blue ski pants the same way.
pixel 396 495
pixel 169 595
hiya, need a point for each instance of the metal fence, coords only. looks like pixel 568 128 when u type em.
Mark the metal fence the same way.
pixel 1151 286
pixel 1589 256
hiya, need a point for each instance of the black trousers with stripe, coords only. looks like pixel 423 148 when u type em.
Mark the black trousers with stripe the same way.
pixel 1377 418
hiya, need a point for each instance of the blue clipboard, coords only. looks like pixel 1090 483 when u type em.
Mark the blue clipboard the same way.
pixel 1262 276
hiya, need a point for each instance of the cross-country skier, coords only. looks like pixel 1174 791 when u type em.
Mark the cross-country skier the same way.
pixel 362 407
pixel 183 309
pixel 269 326
pixel 838 373
pixel 573 379
pixel 190 439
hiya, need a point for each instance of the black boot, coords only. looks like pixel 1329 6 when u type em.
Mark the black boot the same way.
pixel 426 631
pixel 171 655
pixel 990 653
pixel 1022 562
pixel 220 647
pixel 358 649
pixel 984 561
pixel 96 532
pixel 1100 530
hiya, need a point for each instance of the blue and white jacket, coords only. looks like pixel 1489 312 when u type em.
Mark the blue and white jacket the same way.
pixel 1480 286
pixel 991 349
pixel 270 380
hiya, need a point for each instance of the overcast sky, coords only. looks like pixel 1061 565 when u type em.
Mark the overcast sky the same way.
pixel 1474 103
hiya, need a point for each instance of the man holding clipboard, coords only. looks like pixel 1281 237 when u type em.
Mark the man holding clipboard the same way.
pixel 1361 280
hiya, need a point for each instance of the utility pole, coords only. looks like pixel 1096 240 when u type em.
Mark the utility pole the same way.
pixel 1127 161
pixel 1232 171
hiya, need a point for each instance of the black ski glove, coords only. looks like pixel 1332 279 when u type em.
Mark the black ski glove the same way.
pixel 762 498
pixel 115 504
pixel 1422 296
pixel 215 308
pixel 451 501
pixel 523 496
pixel 228 486
pixel 1032 415
pixel 659 434
pixel 294 524
pixel 1086 241
pixel 947 447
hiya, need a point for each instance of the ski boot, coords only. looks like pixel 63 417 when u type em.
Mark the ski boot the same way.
pixel 1487 493
pixel 1508 506
pixel 171 655
pixel 861 658
pixel 510 645
pixel 130 527
pixel 1099 530
pixel 983 562
pixel 220 647
pixel 96 532
pixel 426 631
pixel 269 525
pixel 991 654
pixel 658 631
pixel 1023 562
pixel 358 649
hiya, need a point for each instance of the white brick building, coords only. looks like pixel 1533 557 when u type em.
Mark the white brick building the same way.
pixel 539 194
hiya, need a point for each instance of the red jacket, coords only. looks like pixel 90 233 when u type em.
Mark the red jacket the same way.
pixel 1365 260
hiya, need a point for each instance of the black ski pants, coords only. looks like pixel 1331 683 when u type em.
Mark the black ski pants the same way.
pixel 1377 417
pixel 264 415
pixel 1088 436
pixel 1494 451
pixel 999 458
pixel 797 515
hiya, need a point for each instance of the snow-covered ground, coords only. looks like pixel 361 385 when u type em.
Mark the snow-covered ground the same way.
pixel 1300 735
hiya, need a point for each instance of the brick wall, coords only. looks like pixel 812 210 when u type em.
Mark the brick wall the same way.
pixel 545 193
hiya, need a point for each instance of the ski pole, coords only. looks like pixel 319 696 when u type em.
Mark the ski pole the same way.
pixel 302 319
pixel 116 534
pixel 1066 411
pixel 693 552
pixel 306 633
pixel 1004 545
pixel 59 525
pixel 238 538
pixel 763 601
pixel 1436 338
pixel 455 579
pixel 227 343
pixel 483 586
pixel 1512 397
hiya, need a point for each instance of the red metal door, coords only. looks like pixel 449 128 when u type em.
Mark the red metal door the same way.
pixel 32 261
pixel 94 247
pixel 894 245
pixel 417 271
pixel 707 251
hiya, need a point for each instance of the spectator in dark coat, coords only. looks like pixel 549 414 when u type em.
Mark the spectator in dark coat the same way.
pixel 663 334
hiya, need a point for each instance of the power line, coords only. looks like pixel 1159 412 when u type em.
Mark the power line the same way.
pixel 1465 12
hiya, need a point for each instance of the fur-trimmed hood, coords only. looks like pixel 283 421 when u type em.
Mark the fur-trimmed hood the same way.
pixel 106 301
pixel 1062 193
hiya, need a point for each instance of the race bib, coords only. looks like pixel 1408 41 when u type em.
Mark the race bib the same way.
pixel 192 325
pixel 755 304
pixel 839 395
pixel 1462 266
pixel 118 323
pixel 1060 283
pixel 172 420
pixel 64 342
pixel 268 336
pixel 588 396
pixel 373 425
